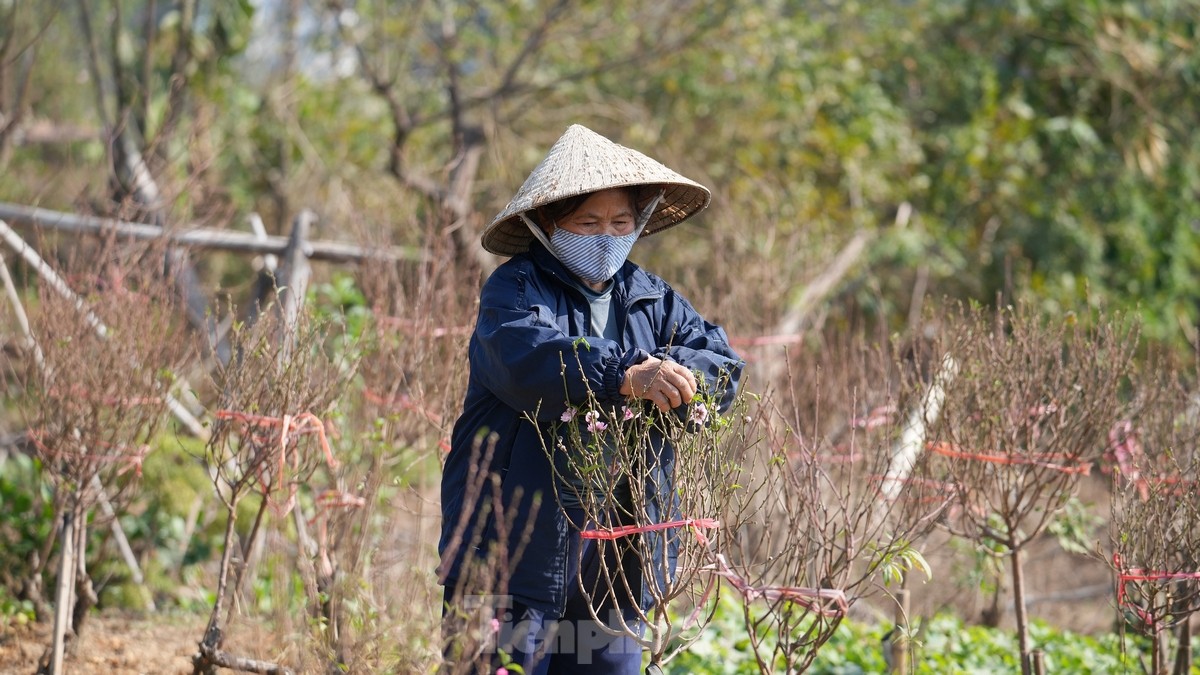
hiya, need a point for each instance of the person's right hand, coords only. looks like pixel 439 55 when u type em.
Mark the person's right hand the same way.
pixel 666 384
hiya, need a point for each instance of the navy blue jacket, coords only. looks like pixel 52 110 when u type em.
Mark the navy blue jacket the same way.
pixel 530 317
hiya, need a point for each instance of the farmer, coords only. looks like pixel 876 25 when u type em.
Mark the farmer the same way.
pixel 568 231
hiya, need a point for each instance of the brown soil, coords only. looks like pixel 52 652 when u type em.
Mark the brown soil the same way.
pixel 114 645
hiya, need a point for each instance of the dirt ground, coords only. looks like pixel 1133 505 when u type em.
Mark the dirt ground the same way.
pixel 115 644
pixel 110 644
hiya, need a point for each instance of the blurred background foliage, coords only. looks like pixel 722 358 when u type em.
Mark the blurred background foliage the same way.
pixel 1043 150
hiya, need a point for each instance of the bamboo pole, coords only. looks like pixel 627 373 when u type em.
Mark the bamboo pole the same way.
pixel 264 281
pixel 14 298
pixel 911 443
pixel 114 524
pixel 208 238
pixel 31 257
pixel 797 313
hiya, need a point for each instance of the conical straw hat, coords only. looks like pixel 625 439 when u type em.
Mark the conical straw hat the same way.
pixel 583 161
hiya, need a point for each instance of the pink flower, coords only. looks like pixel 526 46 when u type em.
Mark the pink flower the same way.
pixel 699 413
pixel 568 415
pixel 502 671
pixel 627 414
pixel 594 424
pixel 495 625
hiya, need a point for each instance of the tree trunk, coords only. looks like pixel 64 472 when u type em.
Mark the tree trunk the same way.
pixel 213 635
pixel 1183 650
pixel 85 593
pixel 62 602
pixel 457 203
pixel 1022 617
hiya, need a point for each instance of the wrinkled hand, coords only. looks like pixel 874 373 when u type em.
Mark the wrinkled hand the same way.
pixel 666 384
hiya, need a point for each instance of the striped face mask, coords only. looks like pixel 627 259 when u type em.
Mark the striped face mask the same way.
pixel 594 258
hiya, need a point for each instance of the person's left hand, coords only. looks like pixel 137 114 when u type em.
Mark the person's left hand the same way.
pixel 666 384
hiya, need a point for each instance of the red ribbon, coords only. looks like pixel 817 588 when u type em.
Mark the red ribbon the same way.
pixel 1039 460
pixel 822 601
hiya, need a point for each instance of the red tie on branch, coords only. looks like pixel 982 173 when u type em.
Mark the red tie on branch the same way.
pixel 626 530
pixel 129 460
pixel 1138 574
pixel 289 427
pixel 326 502
pixel 822 601
pixel 402 402
pixel 1046 460
pixel 304 423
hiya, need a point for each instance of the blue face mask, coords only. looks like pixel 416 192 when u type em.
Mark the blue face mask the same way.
pixel 594 258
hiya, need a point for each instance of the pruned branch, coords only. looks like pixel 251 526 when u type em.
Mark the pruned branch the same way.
pixel 216 657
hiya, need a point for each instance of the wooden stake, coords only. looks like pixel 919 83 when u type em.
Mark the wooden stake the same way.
pixel 1038 660
pixel 294 271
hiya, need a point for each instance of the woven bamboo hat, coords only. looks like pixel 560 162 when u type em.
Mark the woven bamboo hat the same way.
pixel 583 161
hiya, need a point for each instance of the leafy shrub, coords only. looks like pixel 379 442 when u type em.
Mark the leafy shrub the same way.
pixel 26 521
pixel 943 644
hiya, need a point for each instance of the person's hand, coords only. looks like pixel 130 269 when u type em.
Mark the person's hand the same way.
pixel 666 384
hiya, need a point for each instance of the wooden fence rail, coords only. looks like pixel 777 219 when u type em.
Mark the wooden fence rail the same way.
pixel 200 237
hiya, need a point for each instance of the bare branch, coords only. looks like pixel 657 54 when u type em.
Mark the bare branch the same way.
pixel 99 82
pixel 533 43
pixel 180 64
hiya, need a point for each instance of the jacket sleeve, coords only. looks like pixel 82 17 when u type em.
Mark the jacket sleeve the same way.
pixel 523 356
pixel 703 347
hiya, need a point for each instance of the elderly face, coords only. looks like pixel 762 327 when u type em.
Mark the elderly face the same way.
pixel 604 212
